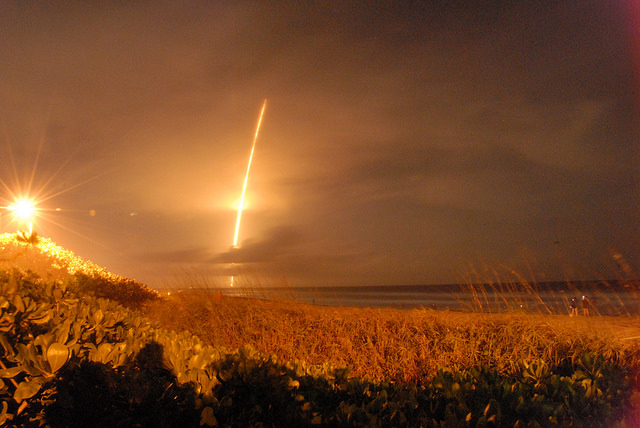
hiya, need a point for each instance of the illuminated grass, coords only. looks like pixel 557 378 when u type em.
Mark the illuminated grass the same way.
pixel 404 346
pixel 506 290
pixel 401 345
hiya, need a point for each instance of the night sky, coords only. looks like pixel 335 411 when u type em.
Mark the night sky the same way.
pixel 402 142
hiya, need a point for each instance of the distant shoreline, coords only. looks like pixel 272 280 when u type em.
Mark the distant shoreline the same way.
pixel 615 298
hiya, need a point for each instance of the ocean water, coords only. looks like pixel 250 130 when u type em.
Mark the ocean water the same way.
pixel 615 298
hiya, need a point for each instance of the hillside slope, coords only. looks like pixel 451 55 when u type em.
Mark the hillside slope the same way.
pixel 39 256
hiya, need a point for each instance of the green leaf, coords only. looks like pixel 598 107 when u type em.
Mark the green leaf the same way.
pixel 98 316
pixel 43 341
pixel 12 285
pixel 40 318
pixel 6 345
pixel 26 390
pixel 102 354
pixel 18 303
pixel 7 322
pixel 62 333
pixel 11 372
pixel 57 356
pixel 48 289
pixel 4 416
pixel 207 417
pixel 293 384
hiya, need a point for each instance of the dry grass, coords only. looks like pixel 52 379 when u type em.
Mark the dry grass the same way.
pixel 401 345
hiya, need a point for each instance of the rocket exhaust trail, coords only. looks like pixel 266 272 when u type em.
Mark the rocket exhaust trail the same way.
pixel 246 177
pixel 244 186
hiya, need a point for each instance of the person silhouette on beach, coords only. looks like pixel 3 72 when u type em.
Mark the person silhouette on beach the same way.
pixel 585 306
pixel 573 306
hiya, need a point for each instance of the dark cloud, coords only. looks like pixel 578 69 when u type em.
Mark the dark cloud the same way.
pixel 401 140
pixel 278 243
pixel 186 256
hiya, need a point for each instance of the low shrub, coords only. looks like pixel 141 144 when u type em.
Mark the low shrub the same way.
pixel 127 292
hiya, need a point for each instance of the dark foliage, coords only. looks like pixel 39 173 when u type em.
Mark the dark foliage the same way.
pixel 31 238
pixel 141 393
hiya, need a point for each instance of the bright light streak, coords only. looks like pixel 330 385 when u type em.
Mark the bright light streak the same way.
pixel 246 178
pixel 244 186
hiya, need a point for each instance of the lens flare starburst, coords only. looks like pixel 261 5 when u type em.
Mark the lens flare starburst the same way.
pixel 27 193
pixel 24 209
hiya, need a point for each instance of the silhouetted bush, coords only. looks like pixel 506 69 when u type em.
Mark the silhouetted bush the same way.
pixel 141 393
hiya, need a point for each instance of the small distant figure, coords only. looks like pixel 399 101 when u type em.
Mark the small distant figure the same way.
pixel 585 306
pixel 573 306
